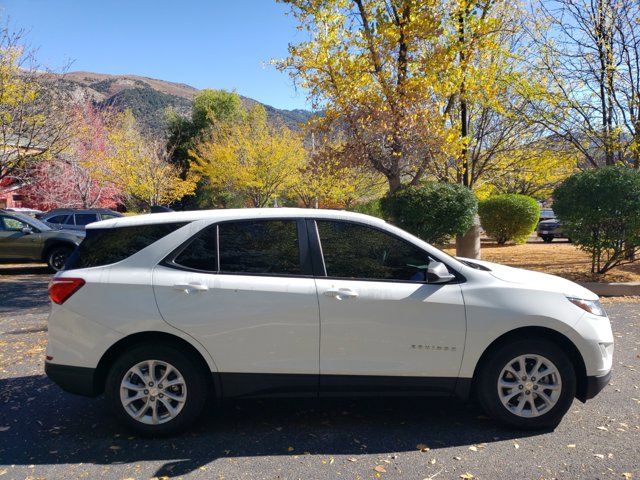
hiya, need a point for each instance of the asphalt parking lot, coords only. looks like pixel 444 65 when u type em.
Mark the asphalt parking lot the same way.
pixel 46 433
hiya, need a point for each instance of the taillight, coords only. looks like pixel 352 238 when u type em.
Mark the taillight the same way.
pixel 60 289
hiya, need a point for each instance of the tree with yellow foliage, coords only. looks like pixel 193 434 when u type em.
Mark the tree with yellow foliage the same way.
pixel 32 108
pixel 420 87
pixel 251 157
pixel 375 68
pixel 329 180
pixel 140 165
pixel 534 170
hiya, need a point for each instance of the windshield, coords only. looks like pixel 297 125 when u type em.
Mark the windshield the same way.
pixel 34 222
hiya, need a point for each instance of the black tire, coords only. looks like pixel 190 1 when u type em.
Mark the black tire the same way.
pixel 195 379
pixel 57 257
pixel 547 239
pixel 489 374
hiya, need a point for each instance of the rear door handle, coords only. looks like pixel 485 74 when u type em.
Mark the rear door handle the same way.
pixel 190 287
pixel 340 293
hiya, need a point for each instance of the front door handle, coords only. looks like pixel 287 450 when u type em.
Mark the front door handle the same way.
pixel 341 293
pixel 190 287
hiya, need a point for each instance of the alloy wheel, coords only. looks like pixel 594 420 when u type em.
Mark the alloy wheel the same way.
pixel 153 392
pixel 529 385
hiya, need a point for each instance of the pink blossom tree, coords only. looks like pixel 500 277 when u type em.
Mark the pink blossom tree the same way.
pixel 78 177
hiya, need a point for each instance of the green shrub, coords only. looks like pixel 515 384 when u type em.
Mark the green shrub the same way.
pixel 432 211
pixel 369 208
pixel 600 211
pixel 509 217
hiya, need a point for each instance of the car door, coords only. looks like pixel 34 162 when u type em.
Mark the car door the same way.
pixel 383 327
pixel 15 243
pixel 245 290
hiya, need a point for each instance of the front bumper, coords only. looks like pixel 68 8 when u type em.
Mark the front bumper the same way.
pixel 593 386
pixel 78 380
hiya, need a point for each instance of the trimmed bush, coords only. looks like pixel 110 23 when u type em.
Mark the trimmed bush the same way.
pixel 370 208
pixel 509 217
pixel 432 211
pixel 600 211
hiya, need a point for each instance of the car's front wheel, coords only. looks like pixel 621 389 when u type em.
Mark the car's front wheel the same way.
pixel 547 239
pixel 527 384
pixel 156 390
pixel 57 257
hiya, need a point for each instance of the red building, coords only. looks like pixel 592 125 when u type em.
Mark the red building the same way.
pixel 10 196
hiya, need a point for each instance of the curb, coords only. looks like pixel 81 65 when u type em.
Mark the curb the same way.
pixel 622 289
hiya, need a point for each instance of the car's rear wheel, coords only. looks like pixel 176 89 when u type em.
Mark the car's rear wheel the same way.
pixel 57 257
pixel 547 239
pixel 156 390
pixel 527 384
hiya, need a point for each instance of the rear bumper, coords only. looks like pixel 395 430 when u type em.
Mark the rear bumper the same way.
pixel 593 386
pixel 78 380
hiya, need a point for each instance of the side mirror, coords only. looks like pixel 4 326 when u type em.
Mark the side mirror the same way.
pixel 27 230
pixel 437 272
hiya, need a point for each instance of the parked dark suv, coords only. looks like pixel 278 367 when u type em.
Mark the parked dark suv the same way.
pixel 76 219
pixel 23 238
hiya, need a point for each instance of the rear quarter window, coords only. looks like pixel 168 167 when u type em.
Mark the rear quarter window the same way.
pixel 104 246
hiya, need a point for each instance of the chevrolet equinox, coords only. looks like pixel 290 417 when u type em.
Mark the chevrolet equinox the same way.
pixel 161 312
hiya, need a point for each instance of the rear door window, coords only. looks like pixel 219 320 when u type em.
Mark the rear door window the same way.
pixel 104 246
pixel 263 247
pixel 85 218
pixel 57 219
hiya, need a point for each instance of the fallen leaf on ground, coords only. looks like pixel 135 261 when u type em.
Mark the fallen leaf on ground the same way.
pixel 422 447
pixel 603 428
pixel 598 455
pixel 571 445
pixel 380 469
pixel 473 448
pixel 352 459
pixel 466 476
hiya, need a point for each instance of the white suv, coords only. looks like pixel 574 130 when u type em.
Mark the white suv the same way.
pixel 161 311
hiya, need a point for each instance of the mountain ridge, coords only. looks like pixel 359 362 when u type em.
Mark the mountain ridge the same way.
pixel 148 98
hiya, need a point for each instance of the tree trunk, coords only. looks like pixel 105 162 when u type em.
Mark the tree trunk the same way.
pixel 468 245
pixel 394 183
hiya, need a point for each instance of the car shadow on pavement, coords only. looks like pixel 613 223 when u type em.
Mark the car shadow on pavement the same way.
pixel 48 426
pixel 23 294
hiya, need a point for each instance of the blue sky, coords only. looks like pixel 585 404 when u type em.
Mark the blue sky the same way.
pixel 205 43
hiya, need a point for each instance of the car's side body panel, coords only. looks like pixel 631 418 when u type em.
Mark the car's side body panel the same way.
pixel 406 329
pixel 251 324
pixel 495 308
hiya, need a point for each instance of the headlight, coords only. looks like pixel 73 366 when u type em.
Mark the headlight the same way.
pixel 591 306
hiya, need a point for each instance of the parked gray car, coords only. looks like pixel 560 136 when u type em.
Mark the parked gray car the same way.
pixel 75 218
pixel 26 239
